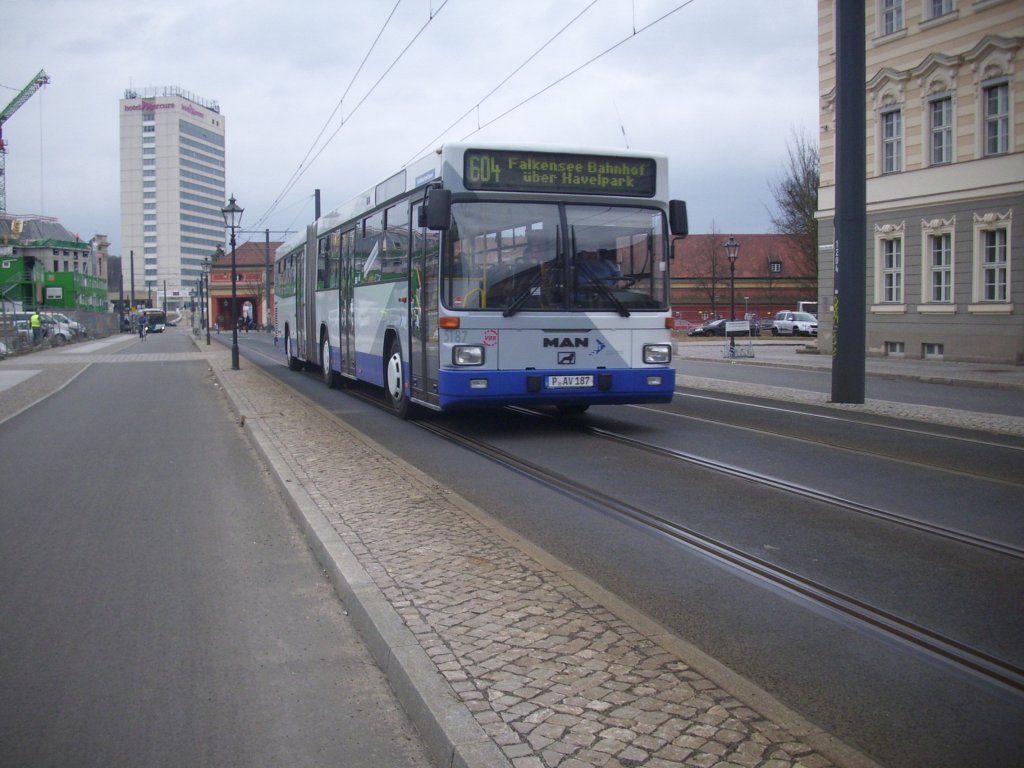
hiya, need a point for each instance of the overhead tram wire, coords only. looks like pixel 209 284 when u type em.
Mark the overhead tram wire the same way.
pixel 299 172
pixel 582 66
pixel 302 170
pixel 494 90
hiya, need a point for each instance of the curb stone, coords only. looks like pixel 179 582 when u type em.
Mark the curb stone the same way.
pixel 447 722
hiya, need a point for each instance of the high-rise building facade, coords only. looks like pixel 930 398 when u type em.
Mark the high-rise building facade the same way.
pixel 945 178
pixel 172 191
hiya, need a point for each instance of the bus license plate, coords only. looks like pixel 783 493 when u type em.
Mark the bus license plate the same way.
pixel 570 381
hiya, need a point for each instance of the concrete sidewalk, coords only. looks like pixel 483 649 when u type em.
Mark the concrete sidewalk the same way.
pixel 500 654
pixel 803 355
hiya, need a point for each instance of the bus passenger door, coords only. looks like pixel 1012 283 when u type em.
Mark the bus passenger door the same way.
pixel 305 298
pixel 298 347
pixel 423 309
pixel 348 333
pixel 315 275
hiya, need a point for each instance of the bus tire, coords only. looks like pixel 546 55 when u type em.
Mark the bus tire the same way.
pixel 394 381
pixel 329 376
pixel 294 364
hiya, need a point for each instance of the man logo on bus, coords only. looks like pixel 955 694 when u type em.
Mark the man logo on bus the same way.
pixel 566 341
pixel 567 358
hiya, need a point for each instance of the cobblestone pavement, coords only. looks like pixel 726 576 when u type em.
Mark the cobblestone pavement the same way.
pixel 517 660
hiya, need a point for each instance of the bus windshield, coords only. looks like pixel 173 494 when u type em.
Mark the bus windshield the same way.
pixel 156 319
pixel 555 257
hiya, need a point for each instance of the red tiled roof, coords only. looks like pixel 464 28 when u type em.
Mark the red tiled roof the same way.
pixel 692 256
pixel 248 253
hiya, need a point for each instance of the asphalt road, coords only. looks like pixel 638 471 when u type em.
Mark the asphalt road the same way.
pixel 869 692
pixel 157 605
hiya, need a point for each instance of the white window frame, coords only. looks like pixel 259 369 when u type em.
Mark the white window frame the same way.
pixel 892 270
pixel 891 17
pixel 940 267
pixel 890 146
pixel 930 12
pixel 983 267
pixel 890 274
pixel 938 230
pixel 944 132
pixel 999 121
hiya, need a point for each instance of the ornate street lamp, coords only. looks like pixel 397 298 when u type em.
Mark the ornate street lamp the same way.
pixel 233 219
pixel 732 250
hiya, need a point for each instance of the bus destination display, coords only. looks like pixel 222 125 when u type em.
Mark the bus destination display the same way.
pixel 558 173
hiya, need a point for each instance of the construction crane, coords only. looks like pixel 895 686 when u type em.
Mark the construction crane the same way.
pixel 36 83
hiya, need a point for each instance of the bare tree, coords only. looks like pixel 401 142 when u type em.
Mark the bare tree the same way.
pixel 796 197
pixel 708 266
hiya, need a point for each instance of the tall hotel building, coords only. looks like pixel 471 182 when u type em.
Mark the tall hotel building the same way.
pixel 172 191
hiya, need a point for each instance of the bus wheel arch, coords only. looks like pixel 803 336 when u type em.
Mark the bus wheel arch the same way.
pixel 329 376
pixel 394 376
pixel 294 364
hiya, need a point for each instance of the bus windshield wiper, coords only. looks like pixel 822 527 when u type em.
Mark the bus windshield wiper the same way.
pixel 523 296
pixel 603 288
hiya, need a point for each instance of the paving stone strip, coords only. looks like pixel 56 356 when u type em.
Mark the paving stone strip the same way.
pixel 552 676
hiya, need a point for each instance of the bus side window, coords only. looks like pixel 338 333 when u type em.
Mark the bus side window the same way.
pixel 321 264
pixel 367 255
pixel 395 248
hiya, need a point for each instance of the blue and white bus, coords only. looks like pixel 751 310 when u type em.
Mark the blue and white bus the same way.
pixel 484 276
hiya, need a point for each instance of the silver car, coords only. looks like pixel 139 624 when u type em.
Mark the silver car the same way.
pixel 795 324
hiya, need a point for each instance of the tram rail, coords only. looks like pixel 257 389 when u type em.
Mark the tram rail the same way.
pixel 959 655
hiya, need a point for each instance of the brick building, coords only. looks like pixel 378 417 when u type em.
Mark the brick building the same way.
pixel 771 274
pixel 254 294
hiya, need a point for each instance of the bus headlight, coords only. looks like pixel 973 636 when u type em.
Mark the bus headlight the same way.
pixel 468 355
pixel 658 353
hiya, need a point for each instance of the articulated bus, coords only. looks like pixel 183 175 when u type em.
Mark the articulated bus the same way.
pixel 491 276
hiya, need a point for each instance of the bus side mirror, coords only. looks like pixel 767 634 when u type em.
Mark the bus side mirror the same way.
pixel 436 214
pixel 677 220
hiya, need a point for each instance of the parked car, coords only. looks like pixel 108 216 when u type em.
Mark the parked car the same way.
pixel 795 324
pixel 713 328
pixel 56 331
pixel 77 329
pixel 24 331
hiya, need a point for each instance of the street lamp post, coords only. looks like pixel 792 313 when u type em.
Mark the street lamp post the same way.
pixel 206 299
pixel 232 219
pixel 732 250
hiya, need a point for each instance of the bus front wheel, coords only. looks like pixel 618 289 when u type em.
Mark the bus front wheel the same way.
pixel 294 364
pixel 330 377
pixel 394 381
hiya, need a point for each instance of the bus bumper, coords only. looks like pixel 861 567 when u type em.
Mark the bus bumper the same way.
pixel 467 389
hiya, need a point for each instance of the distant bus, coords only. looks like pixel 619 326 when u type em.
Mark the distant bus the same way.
pixel 156 320
pixel 807 306
pixel 485 276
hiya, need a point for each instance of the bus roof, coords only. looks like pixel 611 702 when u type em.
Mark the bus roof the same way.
pixel 596 171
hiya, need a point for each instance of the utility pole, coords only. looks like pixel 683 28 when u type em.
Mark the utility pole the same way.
pixel 850 254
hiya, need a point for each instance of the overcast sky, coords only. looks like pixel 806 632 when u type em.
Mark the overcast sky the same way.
pixel 720 86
